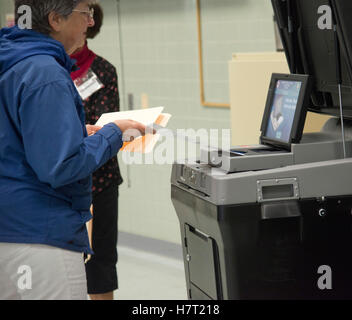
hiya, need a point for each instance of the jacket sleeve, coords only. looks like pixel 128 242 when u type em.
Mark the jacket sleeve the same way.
pixel 55 140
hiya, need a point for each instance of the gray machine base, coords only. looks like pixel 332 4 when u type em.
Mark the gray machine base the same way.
pixel 275 233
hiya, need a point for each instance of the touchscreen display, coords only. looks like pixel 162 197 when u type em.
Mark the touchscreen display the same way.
pixel 283 110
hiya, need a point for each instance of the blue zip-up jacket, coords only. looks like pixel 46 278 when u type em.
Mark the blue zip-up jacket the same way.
pixel 46 157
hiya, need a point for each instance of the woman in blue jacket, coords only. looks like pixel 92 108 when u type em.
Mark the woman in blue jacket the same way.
pixel 46 156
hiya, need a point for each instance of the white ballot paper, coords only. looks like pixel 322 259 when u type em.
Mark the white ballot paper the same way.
pixel 144 116
pixel 148 117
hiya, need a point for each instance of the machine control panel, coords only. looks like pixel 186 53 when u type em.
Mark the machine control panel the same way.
pixel 193 176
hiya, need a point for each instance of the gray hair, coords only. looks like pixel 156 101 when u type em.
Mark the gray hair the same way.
pixel 42 8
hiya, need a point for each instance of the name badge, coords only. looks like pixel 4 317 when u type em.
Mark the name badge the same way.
pixel 88 84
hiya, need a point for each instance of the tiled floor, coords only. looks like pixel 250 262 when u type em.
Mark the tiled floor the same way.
pixel 156 274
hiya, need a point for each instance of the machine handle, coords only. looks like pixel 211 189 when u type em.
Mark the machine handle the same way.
pixel 277 190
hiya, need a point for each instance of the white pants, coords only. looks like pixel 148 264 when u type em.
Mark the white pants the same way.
pixel 40 272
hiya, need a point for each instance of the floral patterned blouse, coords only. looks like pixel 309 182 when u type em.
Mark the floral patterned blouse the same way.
pixel 102 101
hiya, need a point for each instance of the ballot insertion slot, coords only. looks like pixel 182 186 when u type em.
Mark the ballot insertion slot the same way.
pixel 254 152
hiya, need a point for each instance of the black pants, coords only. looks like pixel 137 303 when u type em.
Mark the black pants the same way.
pixel 101 268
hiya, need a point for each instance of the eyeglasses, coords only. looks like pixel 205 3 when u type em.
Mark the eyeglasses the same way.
pixel 89 14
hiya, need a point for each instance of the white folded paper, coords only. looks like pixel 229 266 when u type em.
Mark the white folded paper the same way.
pixel 144 116
pixel 148 117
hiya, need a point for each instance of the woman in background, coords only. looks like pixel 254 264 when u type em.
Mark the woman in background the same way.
pixel 100 77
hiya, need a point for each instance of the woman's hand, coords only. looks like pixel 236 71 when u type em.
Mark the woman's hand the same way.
pixel 92 129
pixel 132 129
